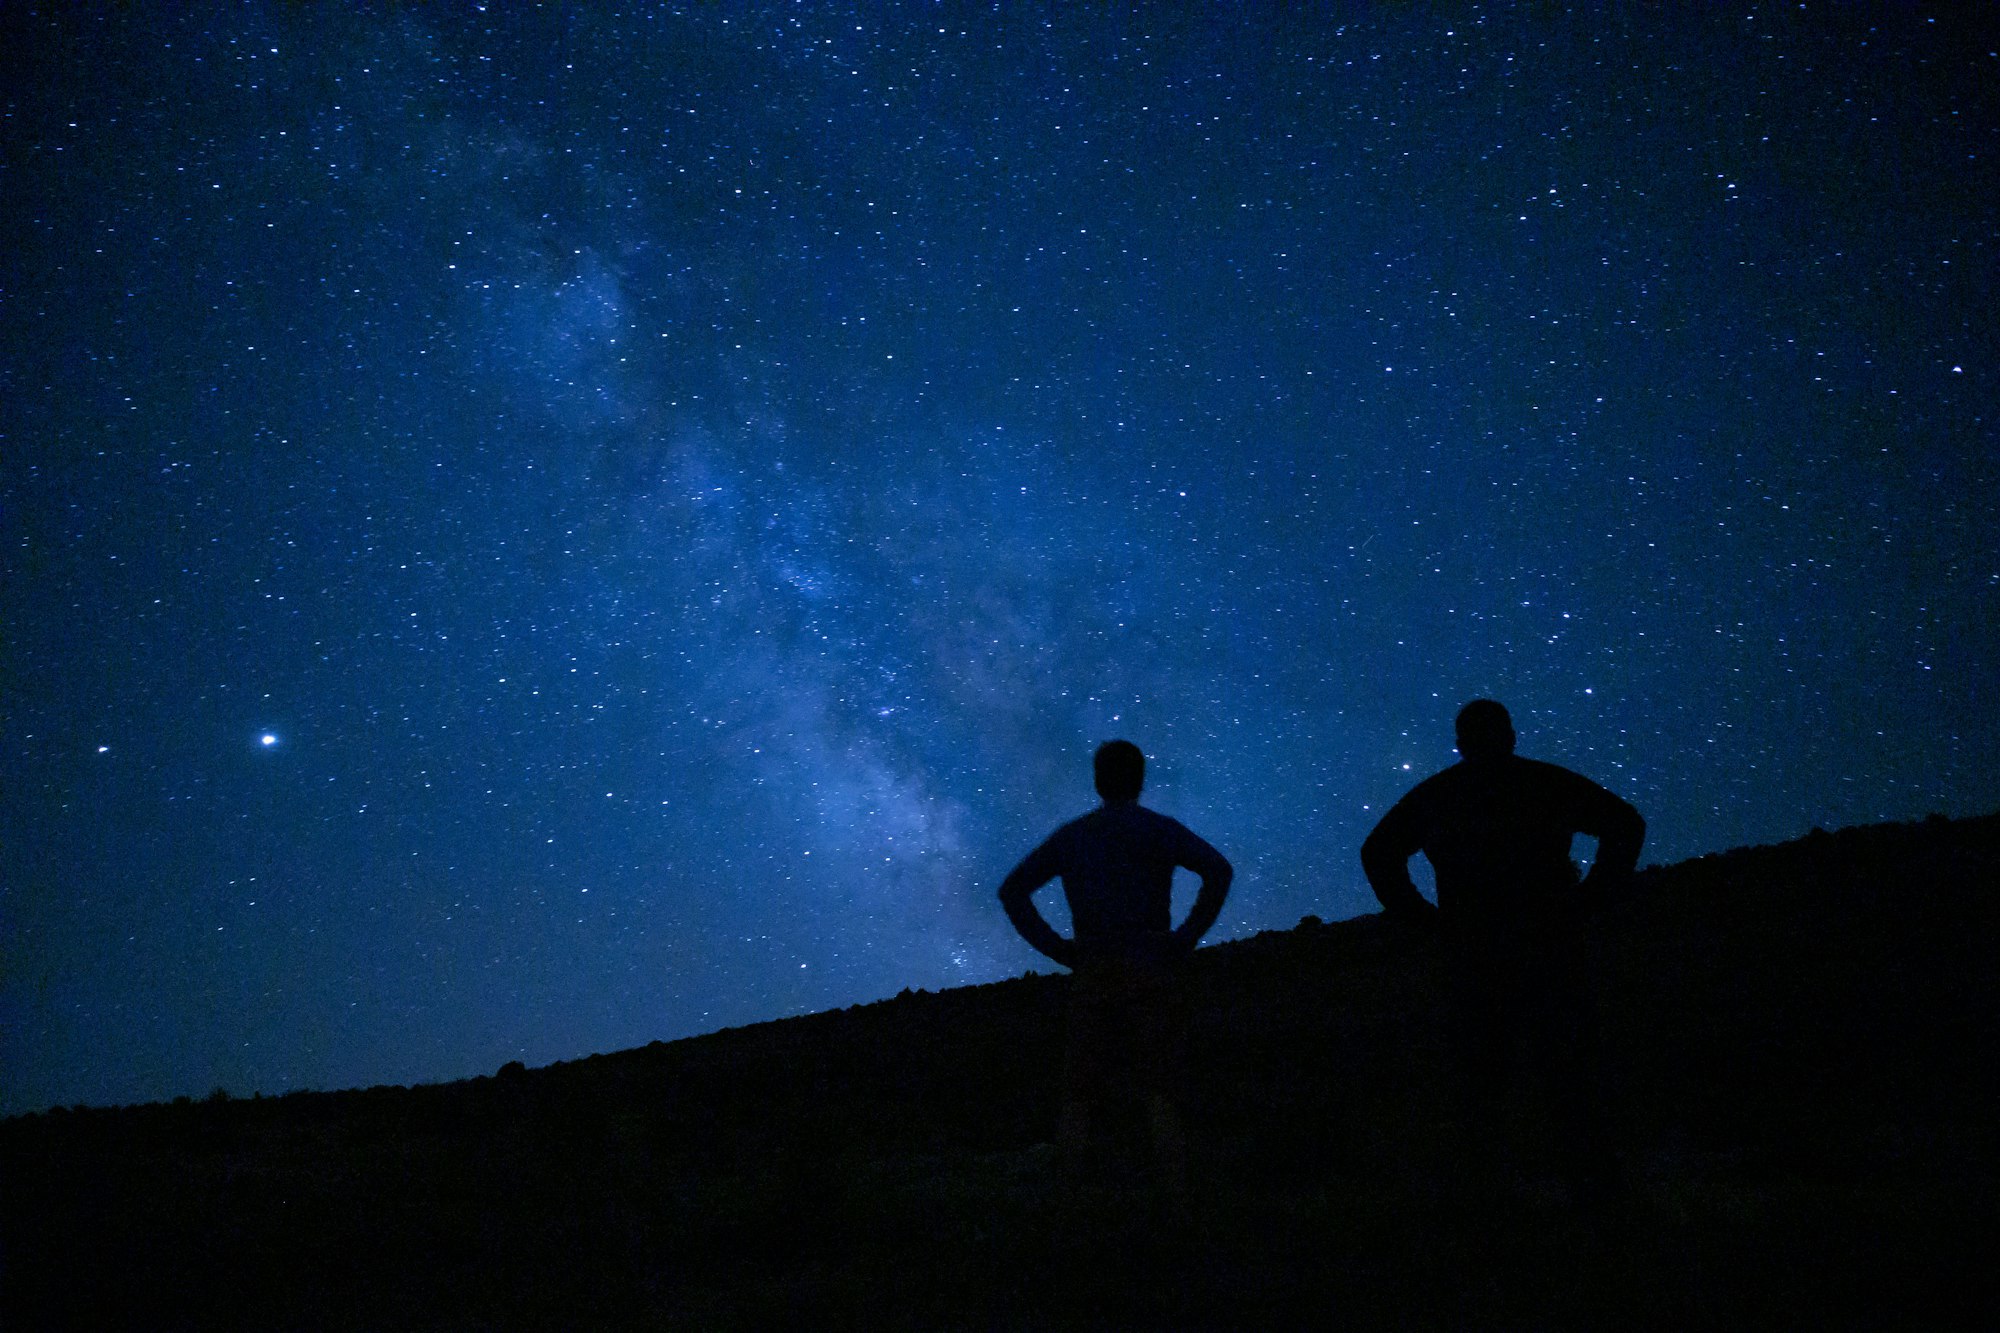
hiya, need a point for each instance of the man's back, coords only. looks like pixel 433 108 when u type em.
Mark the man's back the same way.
pixel 1497 830
pixel 1117 868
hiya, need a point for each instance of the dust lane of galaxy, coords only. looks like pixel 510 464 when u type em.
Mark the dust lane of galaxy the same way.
pixel 532 532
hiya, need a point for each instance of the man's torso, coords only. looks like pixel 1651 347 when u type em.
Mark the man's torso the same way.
pixel 1498 834
pixel 1117 867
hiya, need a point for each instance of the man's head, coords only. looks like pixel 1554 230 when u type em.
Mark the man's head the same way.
pixel 1484 730
pixel 1121 771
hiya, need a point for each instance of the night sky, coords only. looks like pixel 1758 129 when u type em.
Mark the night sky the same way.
pixel 527 533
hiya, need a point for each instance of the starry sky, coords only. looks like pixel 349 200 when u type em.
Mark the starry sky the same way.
pixel 533 530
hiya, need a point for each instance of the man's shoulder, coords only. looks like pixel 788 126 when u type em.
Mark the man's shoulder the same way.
pixel 1090 824
pixel 1125 818
pixel 1478 781
pixel 1551 775
pixel 1087 820
pixel 1164 827
pixel 1440 783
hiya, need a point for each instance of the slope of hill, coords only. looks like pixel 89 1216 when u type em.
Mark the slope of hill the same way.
pixel 1803 1041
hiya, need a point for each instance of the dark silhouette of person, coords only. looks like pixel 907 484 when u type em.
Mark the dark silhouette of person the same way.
pixel 1127 1018
pixel 1511 907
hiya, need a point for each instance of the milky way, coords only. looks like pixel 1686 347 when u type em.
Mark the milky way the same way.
pixel 529 533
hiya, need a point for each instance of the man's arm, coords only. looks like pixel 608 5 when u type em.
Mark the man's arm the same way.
pixel 1017 894
pixel 1385 859
pixel 1620 832
pixel 1216 875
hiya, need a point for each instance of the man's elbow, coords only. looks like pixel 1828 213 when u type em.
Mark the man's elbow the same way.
pixel 1619 843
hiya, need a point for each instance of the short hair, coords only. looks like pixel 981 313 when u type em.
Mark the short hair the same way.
pixel 1120 768
pixel 1484 730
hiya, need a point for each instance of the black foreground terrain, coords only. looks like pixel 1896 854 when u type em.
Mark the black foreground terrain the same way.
pixel 1803 1039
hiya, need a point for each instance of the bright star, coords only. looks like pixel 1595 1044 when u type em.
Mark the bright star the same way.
pixel 267 740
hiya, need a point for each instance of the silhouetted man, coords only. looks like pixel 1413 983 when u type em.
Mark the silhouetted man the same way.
pixel 1497 829
pixel 1127 1014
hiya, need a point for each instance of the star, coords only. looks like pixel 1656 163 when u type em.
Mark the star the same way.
pixel 844 622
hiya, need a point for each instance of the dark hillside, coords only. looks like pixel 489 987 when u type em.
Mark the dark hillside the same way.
pixel 1804 1044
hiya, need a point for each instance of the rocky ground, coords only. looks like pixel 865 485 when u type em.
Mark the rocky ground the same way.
pixel 1803 1039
